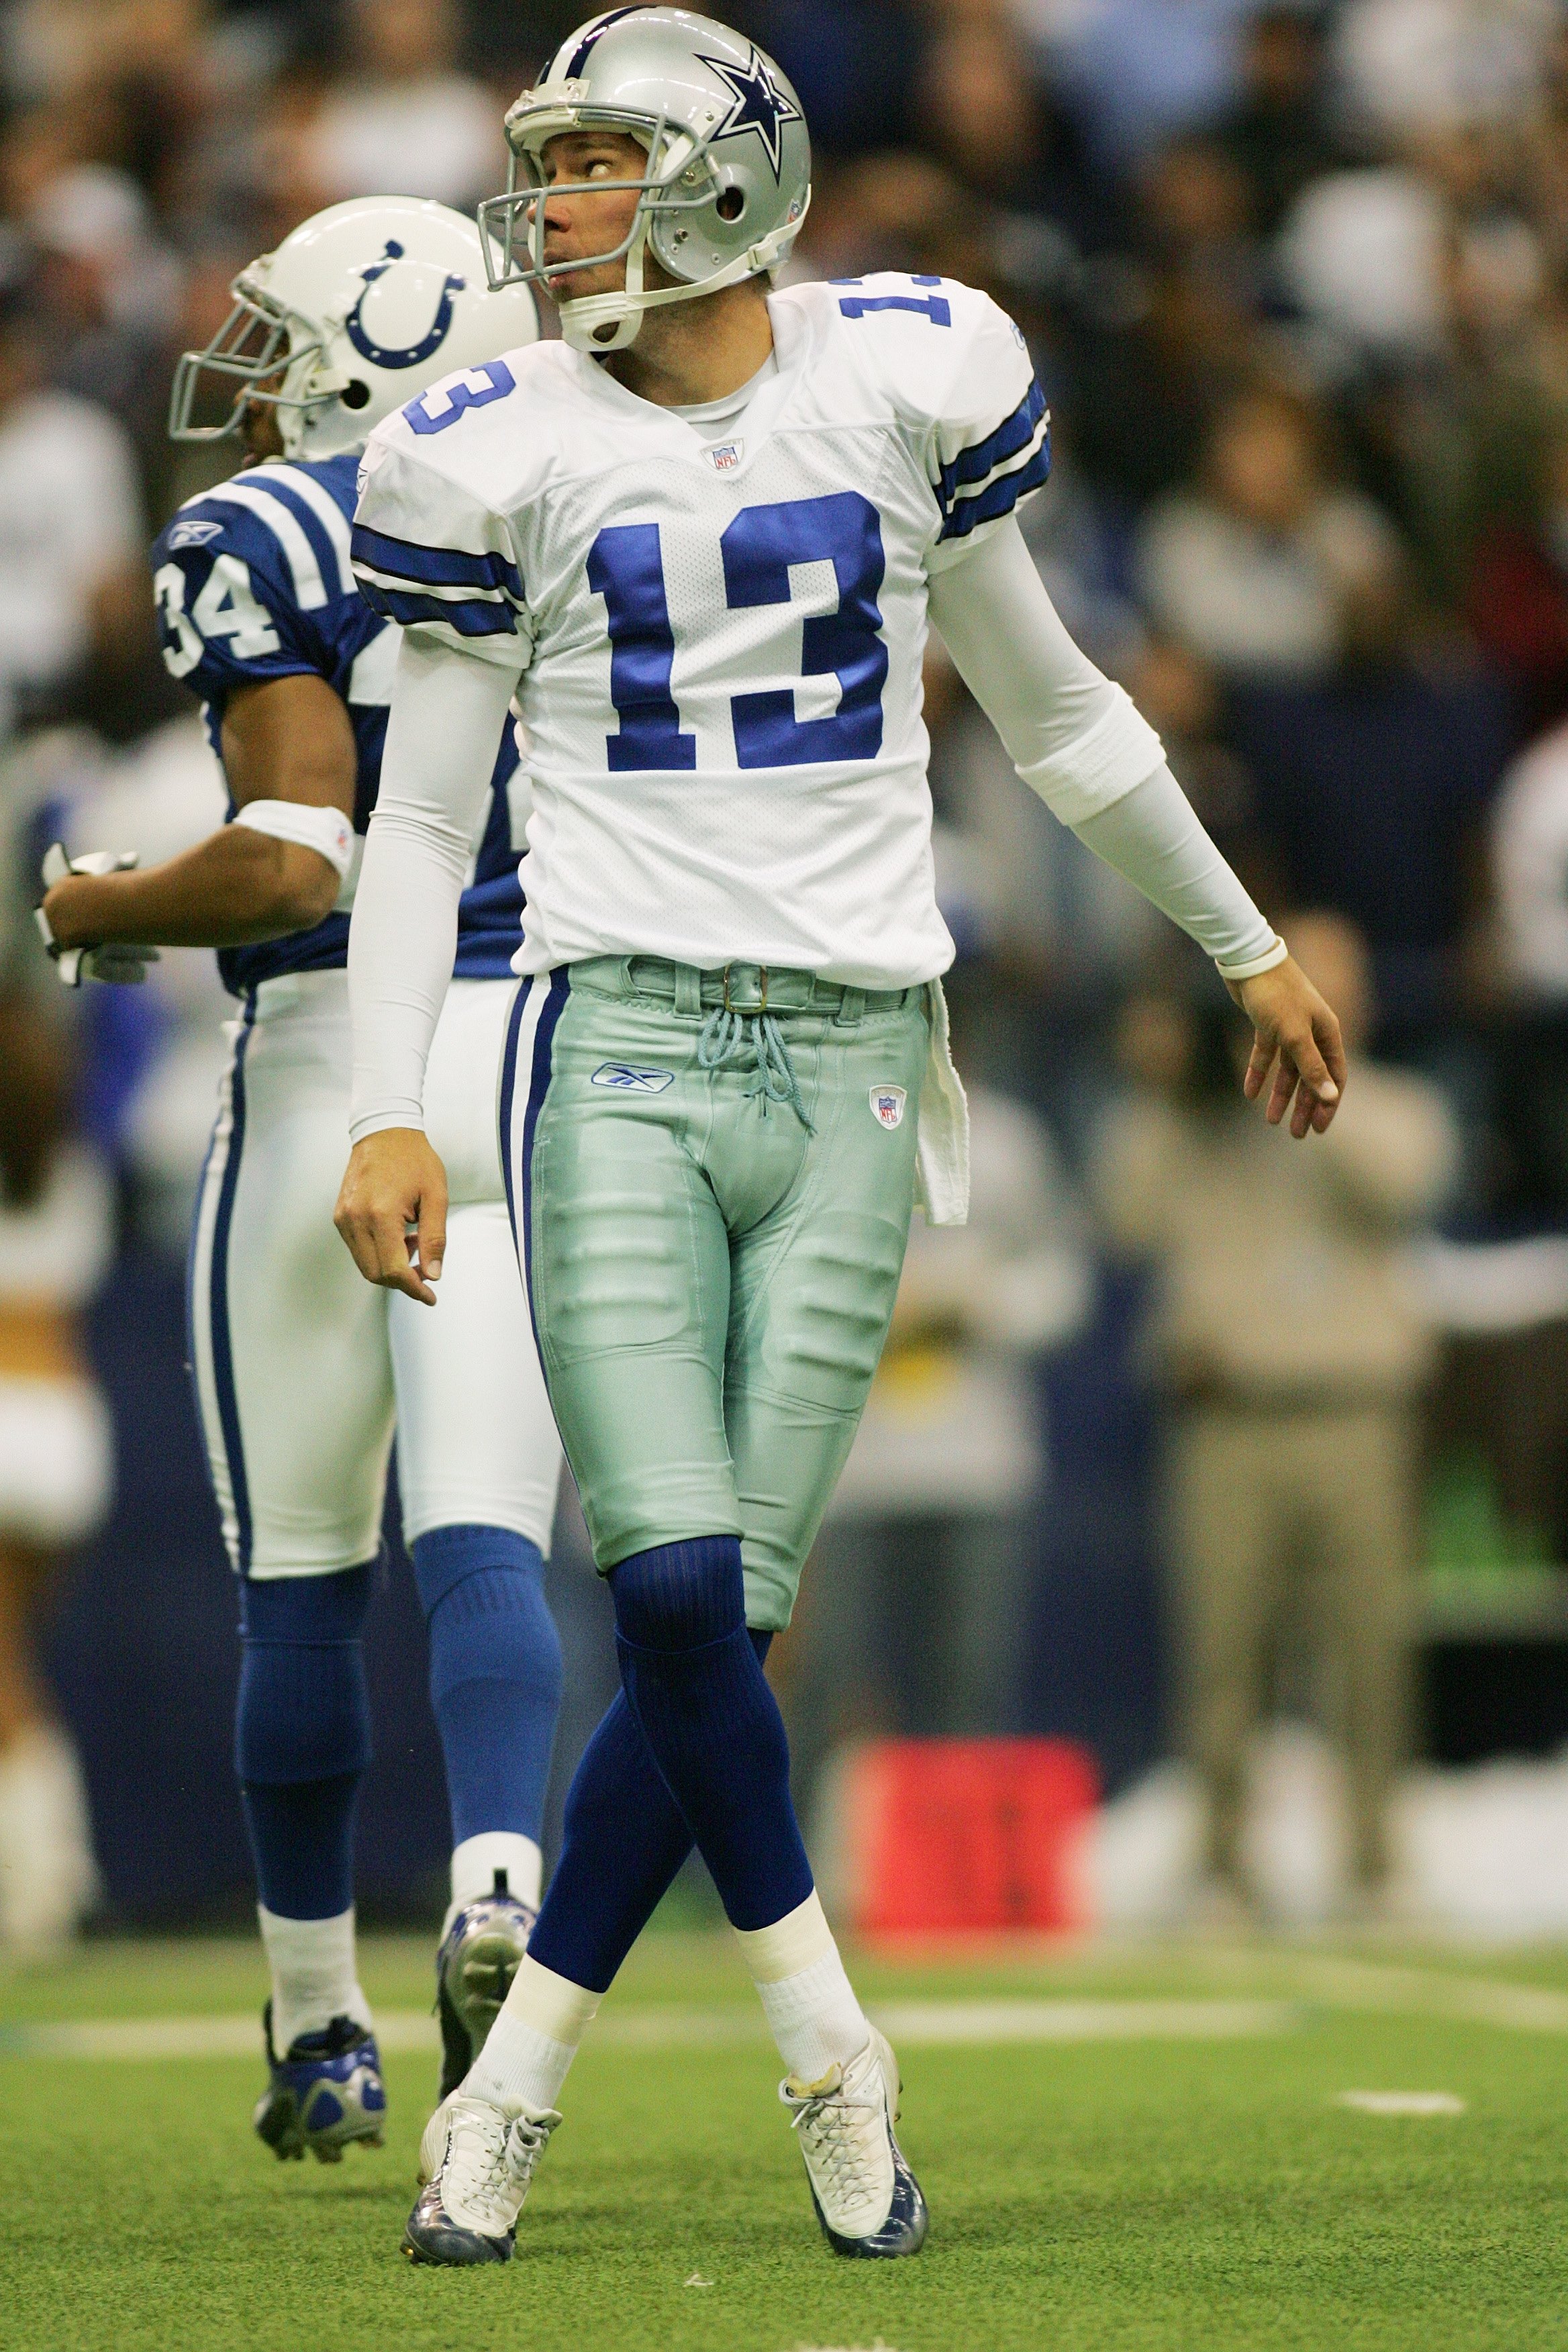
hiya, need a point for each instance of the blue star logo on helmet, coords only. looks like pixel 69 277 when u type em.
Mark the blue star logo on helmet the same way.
pixel 411 354
pixel 760 105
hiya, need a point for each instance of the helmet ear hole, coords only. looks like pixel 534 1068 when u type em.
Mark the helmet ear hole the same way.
pixel 356 394
pixel 731 205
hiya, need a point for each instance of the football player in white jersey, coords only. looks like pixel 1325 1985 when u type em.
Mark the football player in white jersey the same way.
pixel 700 539
pixel 297 1364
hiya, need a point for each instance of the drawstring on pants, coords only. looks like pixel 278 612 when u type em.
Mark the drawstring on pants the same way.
pixel 727 1036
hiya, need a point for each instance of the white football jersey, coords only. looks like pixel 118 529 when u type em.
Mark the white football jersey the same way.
pixel 720 629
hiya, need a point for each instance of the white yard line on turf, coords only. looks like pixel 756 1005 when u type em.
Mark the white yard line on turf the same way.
pixel 187 2037
pixel 935 2023
pixel 1424 1992
pixel 930 2022
pixel 1323 1981
pixel 1402 2102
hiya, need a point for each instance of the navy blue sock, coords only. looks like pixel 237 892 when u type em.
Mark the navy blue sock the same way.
pixel 495 1674
pixel 703 1703
pixel 302 1736
pixel 623 1840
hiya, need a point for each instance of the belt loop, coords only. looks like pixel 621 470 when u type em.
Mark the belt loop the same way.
pixel 851 1007
pixel 688 989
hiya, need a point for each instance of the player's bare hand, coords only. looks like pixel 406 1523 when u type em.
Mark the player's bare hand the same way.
pixel 1296 1040
pixel 392 1211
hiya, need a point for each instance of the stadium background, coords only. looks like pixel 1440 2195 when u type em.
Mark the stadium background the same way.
pixel 1297 284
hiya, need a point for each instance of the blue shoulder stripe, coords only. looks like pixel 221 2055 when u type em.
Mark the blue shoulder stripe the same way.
pixel 289 490
pixel 1000 496
pixel 327 488
pixel 973 465
pixel 475 618
pixel 252 494
pixel 433 567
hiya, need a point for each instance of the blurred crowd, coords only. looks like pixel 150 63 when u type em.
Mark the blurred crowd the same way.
pixel 1296 281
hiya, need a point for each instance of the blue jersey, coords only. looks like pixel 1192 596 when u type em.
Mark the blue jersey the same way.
pixel 253 582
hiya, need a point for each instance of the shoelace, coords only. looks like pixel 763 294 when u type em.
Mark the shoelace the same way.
pixel 727 1037
pixel 828 2122
pixel 498 2155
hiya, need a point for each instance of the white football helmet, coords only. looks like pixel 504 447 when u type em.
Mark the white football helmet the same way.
pixel 728 178
pixel 359 309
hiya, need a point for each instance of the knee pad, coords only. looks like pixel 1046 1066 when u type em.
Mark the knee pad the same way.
pixel 304 1710
pixel 680 1596
pixel 482 1591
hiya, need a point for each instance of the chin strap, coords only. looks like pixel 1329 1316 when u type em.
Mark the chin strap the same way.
pixel 582 324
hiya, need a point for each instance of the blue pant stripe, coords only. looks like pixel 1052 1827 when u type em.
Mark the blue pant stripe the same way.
pixel 223 1351
pixel 507 1095
pixel 538 1087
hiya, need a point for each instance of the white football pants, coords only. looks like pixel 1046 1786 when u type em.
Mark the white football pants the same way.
pixel 299 1361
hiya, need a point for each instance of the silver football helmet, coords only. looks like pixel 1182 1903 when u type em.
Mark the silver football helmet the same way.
pixel 360 308
pixel 728 178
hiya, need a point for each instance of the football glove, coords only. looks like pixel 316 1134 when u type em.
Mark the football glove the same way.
pixel 117 960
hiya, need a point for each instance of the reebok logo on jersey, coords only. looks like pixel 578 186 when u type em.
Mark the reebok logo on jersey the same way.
pixel 888 1106
pixel 631 1080
pixel 725 455
pixel 194 533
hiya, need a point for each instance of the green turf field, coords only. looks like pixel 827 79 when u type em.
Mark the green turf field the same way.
pixel 1170 2167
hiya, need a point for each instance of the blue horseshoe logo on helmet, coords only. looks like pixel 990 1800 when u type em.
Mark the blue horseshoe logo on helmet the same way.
pixel 411 357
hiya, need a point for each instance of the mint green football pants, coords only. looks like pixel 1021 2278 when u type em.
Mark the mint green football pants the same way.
pixel 711 1198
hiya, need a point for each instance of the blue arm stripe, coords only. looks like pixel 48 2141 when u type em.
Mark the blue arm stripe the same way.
pixel 433 567
pixel 469 620
pixel 973 464
pixel 999 498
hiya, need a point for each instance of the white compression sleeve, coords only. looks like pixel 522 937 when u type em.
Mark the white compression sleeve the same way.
pixel 1075 740
pixel 448 713
pixel 1073 736
pixel 1153 837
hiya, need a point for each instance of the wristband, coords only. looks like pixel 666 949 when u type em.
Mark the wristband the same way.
pixel 306 823
pixel 1268 961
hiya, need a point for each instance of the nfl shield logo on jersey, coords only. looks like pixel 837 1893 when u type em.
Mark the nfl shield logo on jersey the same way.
pixel 725 455
pixel 888 1105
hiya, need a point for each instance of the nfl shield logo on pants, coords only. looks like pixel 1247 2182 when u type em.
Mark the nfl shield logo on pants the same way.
pixel 886 1105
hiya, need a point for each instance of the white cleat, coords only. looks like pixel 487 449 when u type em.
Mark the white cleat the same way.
pixel 467 2211
pixel 433 2141
pixel 867 2198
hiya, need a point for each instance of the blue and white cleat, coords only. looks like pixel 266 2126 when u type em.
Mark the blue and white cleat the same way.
pixel 473 1969
pixel 467 2211
pixel 325 2092
pixel 867 2198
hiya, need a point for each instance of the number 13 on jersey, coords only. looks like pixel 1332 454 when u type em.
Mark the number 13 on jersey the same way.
pixel 625 567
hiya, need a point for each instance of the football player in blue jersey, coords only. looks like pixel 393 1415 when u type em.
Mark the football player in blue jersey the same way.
pixel 297 1366
pixel 699 540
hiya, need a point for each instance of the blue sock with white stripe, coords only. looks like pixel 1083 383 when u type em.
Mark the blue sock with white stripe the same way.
pixel 495 1686
pixel 302 1736
pixel 700 1699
